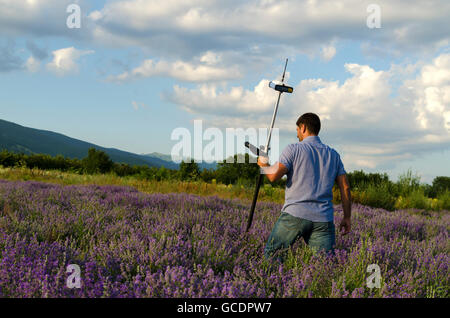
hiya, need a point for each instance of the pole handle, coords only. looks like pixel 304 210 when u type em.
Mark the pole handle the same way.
pixel 255 198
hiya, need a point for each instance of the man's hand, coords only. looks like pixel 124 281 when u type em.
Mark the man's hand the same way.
pixel 344 186
pixel 263 161
pixel 346 224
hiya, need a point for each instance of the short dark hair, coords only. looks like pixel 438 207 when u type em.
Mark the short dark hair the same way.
pixel 311 121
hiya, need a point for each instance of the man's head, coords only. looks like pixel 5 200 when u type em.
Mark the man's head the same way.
pixel 308 124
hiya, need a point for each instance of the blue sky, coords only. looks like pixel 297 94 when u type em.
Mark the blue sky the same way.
pixel 136 70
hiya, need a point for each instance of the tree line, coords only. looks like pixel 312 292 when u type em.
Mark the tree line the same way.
pixel 97 161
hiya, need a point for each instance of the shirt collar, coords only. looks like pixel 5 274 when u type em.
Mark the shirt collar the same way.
pixel 312 139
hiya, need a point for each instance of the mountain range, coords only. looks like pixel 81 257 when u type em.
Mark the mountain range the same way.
pixel 20 139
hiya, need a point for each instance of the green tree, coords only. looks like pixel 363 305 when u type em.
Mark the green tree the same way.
pixel 207 175
pixel 232 171
pixel 440 185
pixel 124 169
pixel 189 170
pixel 97 161
pixel 407 183
pixel 162 174
pixel 359 180
pixel 8 159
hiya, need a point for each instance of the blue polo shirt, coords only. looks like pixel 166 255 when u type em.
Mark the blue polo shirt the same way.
pixel 312 170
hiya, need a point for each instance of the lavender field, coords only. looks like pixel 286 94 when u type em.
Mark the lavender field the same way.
pixel 132 244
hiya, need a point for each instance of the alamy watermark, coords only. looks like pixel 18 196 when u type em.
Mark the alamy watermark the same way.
pixel 74 279
pixel 74 19
pixel 373 21
pixel 210 145
pixel 374 279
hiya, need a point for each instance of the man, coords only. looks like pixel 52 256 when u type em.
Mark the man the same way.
pixel 311 168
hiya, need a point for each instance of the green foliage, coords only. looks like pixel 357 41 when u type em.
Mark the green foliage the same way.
pixel 428 190
pixel 418 200
pixel 407 183
pixel 124 169
pixel 237 167
pixel 8 159
pixel 377 190
pixel 97 161
pixel 372 189
pixel 41 161
pixel 359 180
pixel 207 175
pixel 440 185
pixel 189 170
pixel 444 200
pixel 162 174
pixel 268 190
pixel 378 196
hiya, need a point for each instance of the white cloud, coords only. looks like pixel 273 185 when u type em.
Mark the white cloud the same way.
pixel 138 105
pixel 184 71
pixel 328 52
pixel 35 17
pixel 211 58
pixel 64 60
pixel 208 99
pixel 375 123
pixel 182 31
pixel 199 25
pixel 95 15
pixel 32 64
pixel 377 116
pixel 430 94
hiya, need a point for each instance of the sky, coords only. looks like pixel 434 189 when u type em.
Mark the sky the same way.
pixel 376 72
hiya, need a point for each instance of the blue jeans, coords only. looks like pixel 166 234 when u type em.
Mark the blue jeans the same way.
pixel 318 235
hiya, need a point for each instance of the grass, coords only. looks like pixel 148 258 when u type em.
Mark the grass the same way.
pixel 375 196
pixel 266 193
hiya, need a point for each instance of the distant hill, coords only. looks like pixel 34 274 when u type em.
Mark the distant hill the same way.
pixel 159 155
pixel 168 158
pixel 20 139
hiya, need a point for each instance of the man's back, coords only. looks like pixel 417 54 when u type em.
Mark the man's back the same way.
pixel 312 170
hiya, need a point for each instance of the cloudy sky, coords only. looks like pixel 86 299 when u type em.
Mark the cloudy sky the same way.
pixel 137 69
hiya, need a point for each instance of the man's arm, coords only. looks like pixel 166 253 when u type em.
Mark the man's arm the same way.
pixel 344 187
pixel 274 172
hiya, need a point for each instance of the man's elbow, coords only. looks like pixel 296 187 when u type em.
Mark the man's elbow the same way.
pixel 345 189
pixel 271 177
pixel 277 173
